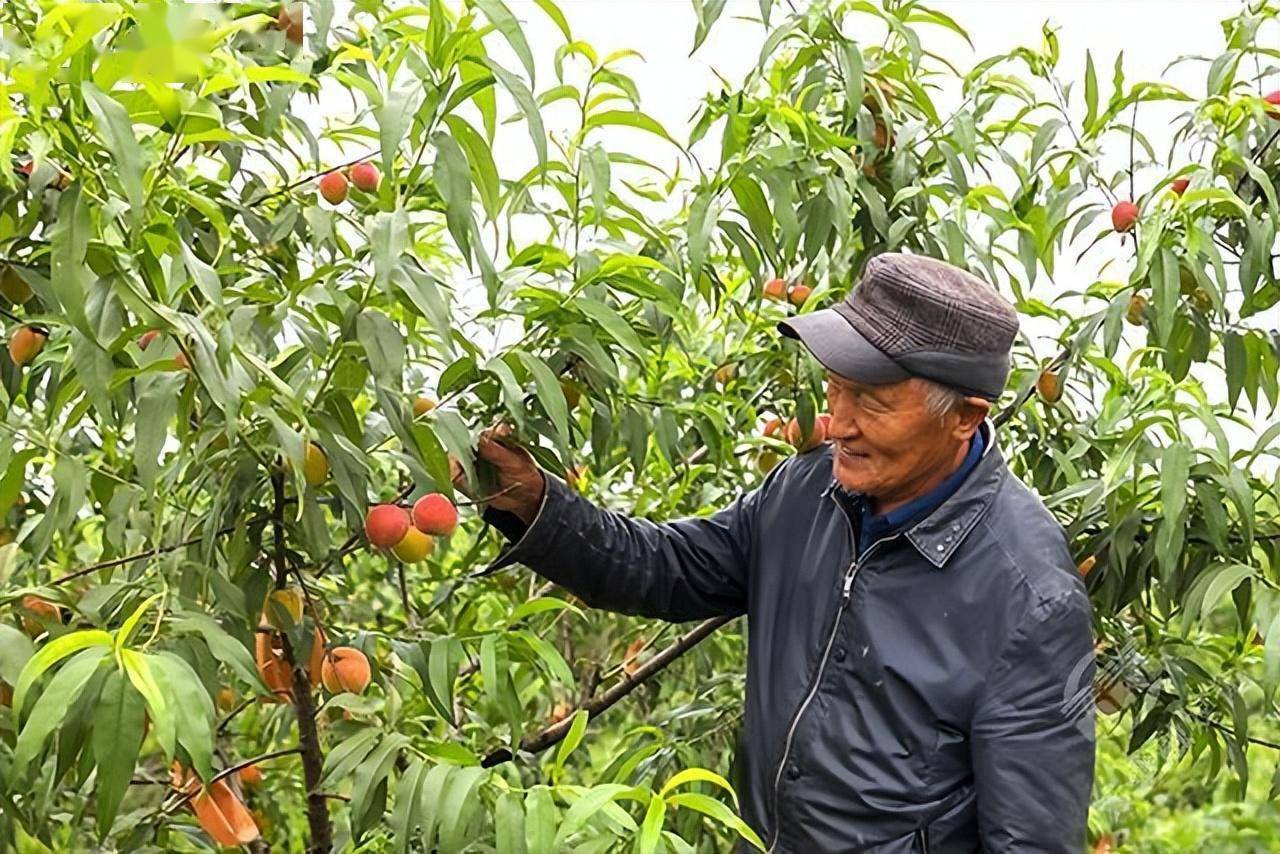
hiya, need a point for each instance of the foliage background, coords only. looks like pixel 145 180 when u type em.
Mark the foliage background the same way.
pixel 535 227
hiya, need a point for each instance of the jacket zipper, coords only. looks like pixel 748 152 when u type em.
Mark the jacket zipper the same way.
pixel 845 595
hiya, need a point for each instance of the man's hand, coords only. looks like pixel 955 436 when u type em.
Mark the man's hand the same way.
pixel 520 481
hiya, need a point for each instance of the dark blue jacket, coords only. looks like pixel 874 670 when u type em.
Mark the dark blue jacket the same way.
pixel 935 694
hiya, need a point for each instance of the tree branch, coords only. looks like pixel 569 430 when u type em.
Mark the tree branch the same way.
pixel 556 732
pixel 312 756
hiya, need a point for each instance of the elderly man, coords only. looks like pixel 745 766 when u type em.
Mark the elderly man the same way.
pixel 919 650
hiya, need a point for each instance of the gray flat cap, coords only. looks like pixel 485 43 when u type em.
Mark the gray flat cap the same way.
pixel 913 316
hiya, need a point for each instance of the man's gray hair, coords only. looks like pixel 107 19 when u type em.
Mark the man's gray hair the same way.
pixel 941 399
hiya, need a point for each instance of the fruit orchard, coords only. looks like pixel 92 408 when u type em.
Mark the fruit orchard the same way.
pixel 263 276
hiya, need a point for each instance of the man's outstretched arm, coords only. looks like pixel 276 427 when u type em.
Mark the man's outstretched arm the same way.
pixel 683 570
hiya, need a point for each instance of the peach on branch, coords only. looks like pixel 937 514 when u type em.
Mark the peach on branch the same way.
pixel 346 670
pixel 224 816
pixel 795 433
pixel 365 176
pixel 289 22
pixel 281 604
pixel 385 525
pixel 413 547
pixel 315 465
pixel 333 187
pixel 435 514
pixel 13 286
pixel 1049 386
pixel 1123 216
pixel 25 343
pixel 1136 310
pixel 776 290
pixel 37 610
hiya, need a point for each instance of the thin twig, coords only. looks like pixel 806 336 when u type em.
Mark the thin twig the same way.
pixel 556 732
pixel 299 182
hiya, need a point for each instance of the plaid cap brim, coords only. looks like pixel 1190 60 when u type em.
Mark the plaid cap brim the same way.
pixel 842 349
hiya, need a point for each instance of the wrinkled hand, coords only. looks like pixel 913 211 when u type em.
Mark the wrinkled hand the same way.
pixel 520 482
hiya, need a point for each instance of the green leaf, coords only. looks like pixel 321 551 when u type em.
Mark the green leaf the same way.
pixel 138 668
pixel 205 277
pixel 651 828
pixel 690 775
pixel 484 172
pixel 512 390
pixel 541 817
pixel 384 345
pixel 69 276
pixel 851 66
pixel 489 676
pixel 550 394
pixel 429 800
pixel 1225 579
pixel 54 702
pixel 394 117
pixel 117 738
pixel 130 624
pixel 223 646
pixel 452 175
pixel 577 729
pixel 406 816
pixel 598 180
pixel 457 804
pixel 117 130
pixel 49 655
pixel 16 649
pixel 1090 92
pixel 718 812
pixel 554 13
pixel 528 107
pixel 1175 465
pixel 346 755
pixel 613 323
pixel 431 298
pixel 1235 364
pixel 530 607
pixel 157 402
pixel 702 219
pixel 708 12
pixel 505 22
pixel 442 669
pixel 388 241
pixel 552 661
pixel 628 118
pixel 585 807
pixel 508 824
pixel 192 707
pixel 368 777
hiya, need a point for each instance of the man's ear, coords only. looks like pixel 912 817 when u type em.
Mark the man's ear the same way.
pixel 971 413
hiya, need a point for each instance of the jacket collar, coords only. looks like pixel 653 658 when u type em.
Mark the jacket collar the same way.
pixel 938 535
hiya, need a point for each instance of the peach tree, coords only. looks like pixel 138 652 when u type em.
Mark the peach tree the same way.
pixel 264 270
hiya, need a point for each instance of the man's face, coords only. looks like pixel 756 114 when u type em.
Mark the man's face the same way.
pixel 888 445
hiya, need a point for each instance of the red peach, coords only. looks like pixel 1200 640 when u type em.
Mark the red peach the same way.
pixel 434 514
pixel 385 525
